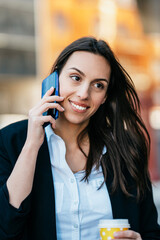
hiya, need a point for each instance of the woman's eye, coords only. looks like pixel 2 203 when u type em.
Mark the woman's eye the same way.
pixel 99 85
pixel 75 77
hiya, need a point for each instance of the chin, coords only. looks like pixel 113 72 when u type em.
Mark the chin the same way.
pixel 75 119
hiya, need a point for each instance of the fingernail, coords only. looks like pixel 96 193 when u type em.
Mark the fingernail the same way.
pixel 51 88
pixel 61 97
pixel 115 234
pixel 63 109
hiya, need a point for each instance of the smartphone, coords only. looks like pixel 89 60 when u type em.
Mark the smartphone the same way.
pixel 51 81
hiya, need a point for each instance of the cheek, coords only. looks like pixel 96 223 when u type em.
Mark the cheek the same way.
pixel 62 84
pixel 62 88
pixel 61 92
pixel 64 91
pixel 98 101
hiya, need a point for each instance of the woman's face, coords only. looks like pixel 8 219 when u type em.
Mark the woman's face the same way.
pixel 83 84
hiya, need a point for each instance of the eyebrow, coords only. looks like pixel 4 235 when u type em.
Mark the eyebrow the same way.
pixel 99 79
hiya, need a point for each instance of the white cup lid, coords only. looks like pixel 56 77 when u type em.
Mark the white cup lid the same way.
pixel 114 223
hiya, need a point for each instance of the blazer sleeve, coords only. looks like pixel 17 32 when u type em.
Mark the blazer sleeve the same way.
pixel 149 226
pixel 12 220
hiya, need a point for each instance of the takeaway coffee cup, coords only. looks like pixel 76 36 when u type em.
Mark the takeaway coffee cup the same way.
pixel 109 226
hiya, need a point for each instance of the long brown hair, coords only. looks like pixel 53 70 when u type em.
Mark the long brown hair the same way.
pixel 117 124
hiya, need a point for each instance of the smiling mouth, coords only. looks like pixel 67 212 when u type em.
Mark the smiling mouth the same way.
pixel 79 107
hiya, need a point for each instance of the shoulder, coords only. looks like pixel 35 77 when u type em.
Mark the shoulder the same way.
pixel 14 132
pixel 15 127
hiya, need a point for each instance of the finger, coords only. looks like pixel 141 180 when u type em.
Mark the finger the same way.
pixel 128 234
pixel 38 111
pixel 48 99
pixel 40 120
pixel 45 119
pixel 49 92
pixel 52 99
pixel 49 119
pixel 45 107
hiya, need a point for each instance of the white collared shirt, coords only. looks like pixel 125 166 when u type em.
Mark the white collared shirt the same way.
pixel 79 205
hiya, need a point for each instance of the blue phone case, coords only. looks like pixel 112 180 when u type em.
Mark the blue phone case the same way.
pixel 51 81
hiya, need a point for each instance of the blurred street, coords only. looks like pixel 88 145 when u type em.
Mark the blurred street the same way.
pixel 33 32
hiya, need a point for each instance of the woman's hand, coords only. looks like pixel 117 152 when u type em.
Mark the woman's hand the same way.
pixel 127 235
pixel 20 181
pixel 35 135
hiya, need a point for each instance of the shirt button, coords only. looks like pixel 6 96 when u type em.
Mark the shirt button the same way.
pixel 72 180
pixel 76 202
pixel 75 225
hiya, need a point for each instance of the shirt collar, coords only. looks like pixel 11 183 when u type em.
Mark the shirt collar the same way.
pixel 50 133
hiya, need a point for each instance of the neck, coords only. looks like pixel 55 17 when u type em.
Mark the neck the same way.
pixel 69 131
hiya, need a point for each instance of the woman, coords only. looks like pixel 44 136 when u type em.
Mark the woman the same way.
pixel 89 164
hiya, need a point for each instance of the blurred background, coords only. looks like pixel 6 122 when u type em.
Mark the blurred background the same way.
pixel 33 33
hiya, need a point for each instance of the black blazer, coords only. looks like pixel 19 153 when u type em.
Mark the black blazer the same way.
pixel 35 219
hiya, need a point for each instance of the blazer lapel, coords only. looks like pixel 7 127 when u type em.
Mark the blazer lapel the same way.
pixel 124 207
pixel 43 212
pixel 116 198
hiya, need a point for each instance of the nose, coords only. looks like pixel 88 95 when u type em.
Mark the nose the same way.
pixel 83 91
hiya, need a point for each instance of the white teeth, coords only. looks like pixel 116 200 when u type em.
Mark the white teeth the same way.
pixel 78 107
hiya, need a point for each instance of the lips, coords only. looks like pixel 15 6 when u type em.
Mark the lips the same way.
pixel 79 106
